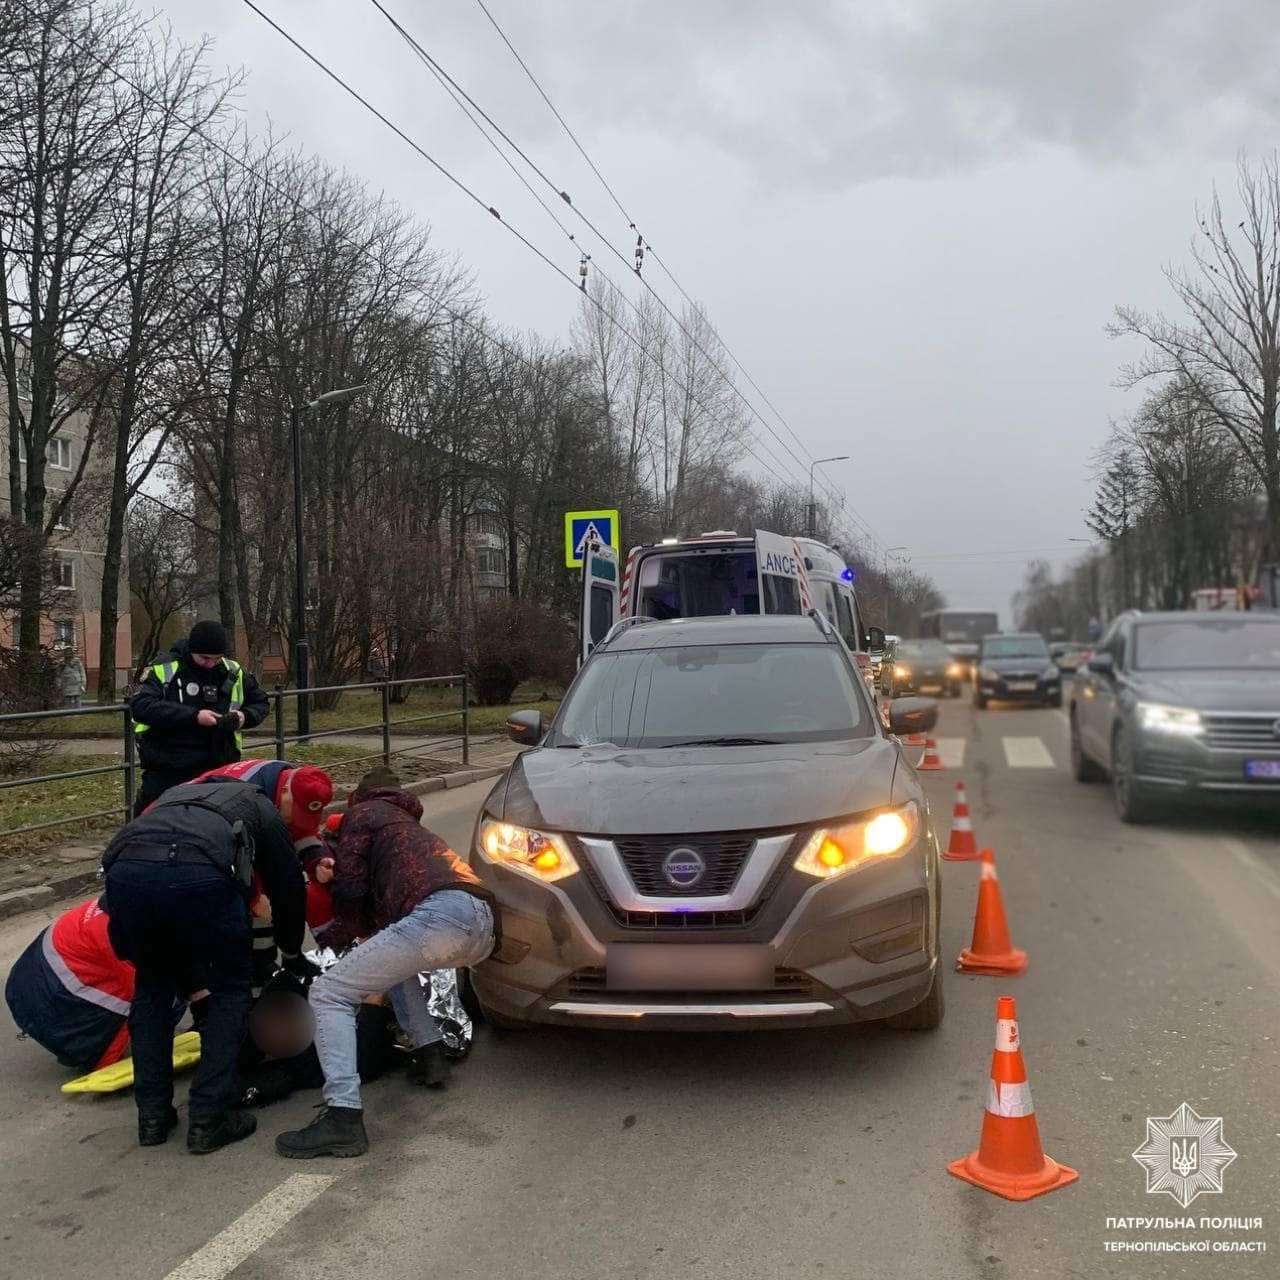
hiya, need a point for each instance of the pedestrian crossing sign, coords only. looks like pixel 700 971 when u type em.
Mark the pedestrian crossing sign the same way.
pixel 581 528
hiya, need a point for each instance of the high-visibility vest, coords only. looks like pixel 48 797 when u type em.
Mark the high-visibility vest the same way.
pixel 165 672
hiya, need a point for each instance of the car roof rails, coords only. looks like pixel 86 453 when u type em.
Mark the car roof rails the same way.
pixel 635 620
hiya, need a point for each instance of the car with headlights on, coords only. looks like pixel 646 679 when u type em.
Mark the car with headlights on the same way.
pixel 714 831
pixel 1180 705
pixel 1016 667
pixel 921 666
pixel 1069 655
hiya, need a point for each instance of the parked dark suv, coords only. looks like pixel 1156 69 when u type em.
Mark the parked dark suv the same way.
pixel 1180 704
pixel 714 831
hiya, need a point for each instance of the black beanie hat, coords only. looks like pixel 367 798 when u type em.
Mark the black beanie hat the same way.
pixel 208 636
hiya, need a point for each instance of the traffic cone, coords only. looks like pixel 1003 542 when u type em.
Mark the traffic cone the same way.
pixel 962 847
pixel 914 740
pixel 1010 1160
pixel 991 951
pixel 931 760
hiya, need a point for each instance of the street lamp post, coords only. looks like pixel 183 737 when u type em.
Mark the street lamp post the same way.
pixel 889 551
pixel 813 510
pixel 302 650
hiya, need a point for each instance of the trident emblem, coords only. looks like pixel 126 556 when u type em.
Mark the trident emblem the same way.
pixel 1184 1156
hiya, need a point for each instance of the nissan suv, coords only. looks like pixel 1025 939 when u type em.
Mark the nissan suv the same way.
pixel 714 831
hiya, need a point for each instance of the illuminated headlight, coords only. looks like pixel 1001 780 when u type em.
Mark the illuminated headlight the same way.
pixel 1162 719
pixel 903 673
pixel 544 857
pixel 954 670
pixel 832 851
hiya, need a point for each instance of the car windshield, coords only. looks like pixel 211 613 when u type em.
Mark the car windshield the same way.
pixel 1206 645
pixel 716 694
pixel 1014 647
pixel 923 651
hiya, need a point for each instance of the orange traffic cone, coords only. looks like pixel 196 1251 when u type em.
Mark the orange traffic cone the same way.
pixel 991 951
pixel 914 740
pixel 1009 1159
pixel 931 760
pixel 962 847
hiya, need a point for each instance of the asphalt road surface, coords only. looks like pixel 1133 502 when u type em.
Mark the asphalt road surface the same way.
pixel 1154 979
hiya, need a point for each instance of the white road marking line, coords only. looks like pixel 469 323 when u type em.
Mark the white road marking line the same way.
pixel 951 752
pixel 1027 753
pixel 253 1228
pixel 1248 858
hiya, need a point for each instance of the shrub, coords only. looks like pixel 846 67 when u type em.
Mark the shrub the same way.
pixel 516 640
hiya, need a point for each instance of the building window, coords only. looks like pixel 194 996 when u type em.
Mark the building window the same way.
pixel 59 453
pixel 275 649
pixel 24 382
pixel 64 573
pixel 64 635
pixel 66 521
pixel 489 560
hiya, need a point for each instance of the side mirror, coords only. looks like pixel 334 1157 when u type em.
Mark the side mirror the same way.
pixel 912 715
pixel 1102 664
pixel 525 727
pixel 875 638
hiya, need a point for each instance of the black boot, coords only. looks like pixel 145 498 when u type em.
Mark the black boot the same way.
pixel 154 1131
pixel 429 1066
pixel 336 1131
pixel 204 1136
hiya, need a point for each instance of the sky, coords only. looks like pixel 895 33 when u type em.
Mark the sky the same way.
pixel 910 220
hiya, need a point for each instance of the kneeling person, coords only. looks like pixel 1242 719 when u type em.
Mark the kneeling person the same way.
pixel 419 907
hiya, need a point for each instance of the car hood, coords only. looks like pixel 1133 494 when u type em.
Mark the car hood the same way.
pixel 1016 666
pixel 1211 690
pixel 607 790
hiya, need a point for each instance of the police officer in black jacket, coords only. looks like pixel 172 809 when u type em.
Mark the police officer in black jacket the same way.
pixel 177 893
pixel 190 710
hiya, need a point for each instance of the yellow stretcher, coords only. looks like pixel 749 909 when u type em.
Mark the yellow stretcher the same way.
pixel 119 1075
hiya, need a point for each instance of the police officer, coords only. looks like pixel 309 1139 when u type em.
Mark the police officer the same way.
pixel 178 880
pixel 190 711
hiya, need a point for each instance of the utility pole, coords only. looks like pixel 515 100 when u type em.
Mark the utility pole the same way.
pixel 302 649
pixel 813 510
pixel 896 553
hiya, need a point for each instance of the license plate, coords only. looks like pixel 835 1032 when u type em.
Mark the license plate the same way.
pixel 656 966
pixel 1266 769
pixel 1022 686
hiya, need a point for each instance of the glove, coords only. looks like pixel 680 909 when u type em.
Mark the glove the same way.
pixel 300 967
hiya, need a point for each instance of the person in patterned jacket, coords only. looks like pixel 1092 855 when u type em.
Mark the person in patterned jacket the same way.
pixel 418 907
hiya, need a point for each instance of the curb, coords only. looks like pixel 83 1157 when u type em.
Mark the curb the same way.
pixel 71 884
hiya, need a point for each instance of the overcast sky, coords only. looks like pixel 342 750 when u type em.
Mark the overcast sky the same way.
pixel 910 219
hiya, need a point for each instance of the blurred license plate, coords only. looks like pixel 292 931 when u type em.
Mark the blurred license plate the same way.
pixel 1021 686
pixel 714 966
pixel 1268 769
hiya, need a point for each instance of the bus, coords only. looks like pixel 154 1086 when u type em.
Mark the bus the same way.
pixel 960 630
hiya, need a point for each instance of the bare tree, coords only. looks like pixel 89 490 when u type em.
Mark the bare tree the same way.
pixel 1225 350
pixel 163 577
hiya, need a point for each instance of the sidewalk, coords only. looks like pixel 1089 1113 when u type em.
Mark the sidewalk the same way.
pixel 265 746
pixel 44 876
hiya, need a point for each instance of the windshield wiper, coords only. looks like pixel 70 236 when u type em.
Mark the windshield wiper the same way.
pixel 724 742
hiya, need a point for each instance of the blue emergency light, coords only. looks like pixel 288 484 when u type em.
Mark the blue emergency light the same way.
pixel 848 575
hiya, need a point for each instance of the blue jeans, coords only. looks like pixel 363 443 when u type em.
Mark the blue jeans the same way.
pixel 448 930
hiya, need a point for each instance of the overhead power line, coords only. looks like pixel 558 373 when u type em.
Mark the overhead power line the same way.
pixel 631 222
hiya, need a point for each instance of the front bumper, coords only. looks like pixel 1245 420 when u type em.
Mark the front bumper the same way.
pixel 851 949
pixel 1190 764
pixel 924 682
pixel 1002 689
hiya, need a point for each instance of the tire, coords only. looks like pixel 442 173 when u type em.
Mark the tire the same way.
pixel 1055 701
pixel 979 702
pixel 1084 768
pixel 1132 801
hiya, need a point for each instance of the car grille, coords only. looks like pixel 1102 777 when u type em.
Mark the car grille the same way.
pixel 1241 732
pixel 588 982
pixel 724 856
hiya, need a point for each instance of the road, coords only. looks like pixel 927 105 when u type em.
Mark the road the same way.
pixel 1154 979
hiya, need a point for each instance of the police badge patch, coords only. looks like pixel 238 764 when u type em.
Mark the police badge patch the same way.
pixel 1184 1155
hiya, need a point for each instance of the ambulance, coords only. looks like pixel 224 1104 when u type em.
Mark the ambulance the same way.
pixel 718 574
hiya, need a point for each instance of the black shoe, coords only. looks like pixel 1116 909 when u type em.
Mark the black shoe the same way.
pixel 336 1131
pixel 154 1131
pixel 204 1136
pixel 428 1066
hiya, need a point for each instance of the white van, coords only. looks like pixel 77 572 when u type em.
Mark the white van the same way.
pixel 722 573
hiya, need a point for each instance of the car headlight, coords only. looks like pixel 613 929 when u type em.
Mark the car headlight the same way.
pixel 831 851
pixel 985 673
pixel 542 856
pixel 1156 716
pixel 903 673
pixel 954 669
pixel 1050 673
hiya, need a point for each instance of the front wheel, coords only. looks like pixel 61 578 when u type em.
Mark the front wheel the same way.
pixel 1056 700
pixel 1133 803
pixel 979 701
